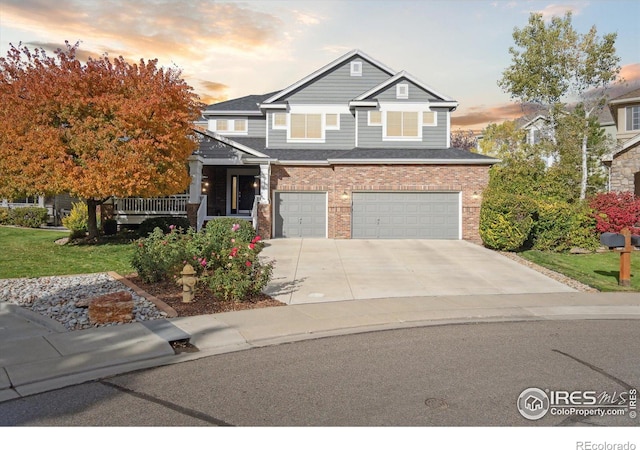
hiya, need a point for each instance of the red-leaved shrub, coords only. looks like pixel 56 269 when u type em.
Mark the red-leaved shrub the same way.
pixel 615 210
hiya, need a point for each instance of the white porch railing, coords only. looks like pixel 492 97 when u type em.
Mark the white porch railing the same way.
pixel 202 212
pixel 132 210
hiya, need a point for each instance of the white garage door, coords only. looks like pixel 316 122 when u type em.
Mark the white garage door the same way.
pixel 300 214
pixel 406 215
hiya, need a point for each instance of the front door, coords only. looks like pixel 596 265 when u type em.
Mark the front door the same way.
pixel 243 193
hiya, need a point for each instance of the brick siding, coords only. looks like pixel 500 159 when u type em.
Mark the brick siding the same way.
pixel 345 179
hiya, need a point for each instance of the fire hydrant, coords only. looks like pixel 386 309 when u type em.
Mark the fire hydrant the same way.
pixel 188 283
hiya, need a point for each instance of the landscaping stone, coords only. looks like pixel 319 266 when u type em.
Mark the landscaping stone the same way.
pixel 115 307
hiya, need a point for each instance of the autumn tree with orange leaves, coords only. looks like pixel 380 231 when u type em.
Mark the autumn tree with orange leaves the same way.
pixel 96 130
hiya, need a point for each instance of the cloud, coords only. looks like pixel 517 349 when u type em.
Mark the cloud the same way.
pixel 151 27
pixel 212 91
pixel 631 73
pixel 306 18
pixel 560 10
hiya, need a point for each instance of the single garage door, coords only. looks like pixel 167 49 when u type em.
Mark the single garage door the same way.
pixel 406 215
pixel 301 214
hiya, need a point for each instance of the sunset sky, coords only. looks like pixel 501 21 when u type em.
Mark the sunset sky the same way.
pixel 228 49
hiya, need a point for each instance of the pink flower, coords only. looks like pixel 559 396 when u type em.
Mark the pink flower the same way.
pixel 235 227
pixel 203 262
pixel 233 241
pixel 252 246
pixel 172 227
pixel 234 252
pixel 248 264
pixel 255 239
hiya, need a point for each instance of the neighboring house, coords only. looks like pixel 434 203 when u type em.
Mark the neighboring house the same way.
pixel 624 164
pixel 353 150
pixel 57 206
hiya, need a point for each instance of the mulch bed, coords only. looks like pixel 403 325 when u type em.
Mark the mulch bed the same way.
pixel 204 303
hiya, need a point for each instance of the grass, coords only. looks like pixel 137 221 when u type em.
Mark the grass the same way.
pixel 598 270
pixel 34 253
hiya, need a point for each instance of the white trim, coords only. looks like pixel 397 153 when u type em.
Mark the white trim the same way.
pixel 327 68
pixel 402 161
pixel 448 128
pixel 273 106
pixel 365 103
pixel 460 215
pixel 356 131
pixel 337 108
pixel 624 100
pixel 206 113
pixel 408 77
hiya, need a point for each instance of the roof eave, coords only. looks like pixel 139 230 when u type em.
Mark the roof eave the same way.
pixel 397 161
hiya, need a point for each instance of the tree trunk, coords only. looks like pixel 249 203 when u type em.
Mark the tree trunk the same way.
pixel 92 226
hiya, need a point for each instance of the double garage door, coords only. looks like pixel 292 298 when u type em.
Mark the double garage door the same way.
pixel 375 215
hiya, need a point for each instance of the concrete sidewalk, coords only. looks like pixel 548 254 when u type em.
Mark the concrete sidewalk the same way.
pixel 38 355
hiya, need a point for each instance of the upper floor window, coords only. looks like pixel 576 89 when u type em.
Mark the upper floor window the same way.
pixel 429 118
pixel 228 126
pixel 375 118
pixel 402 124
pixel 279 121
pixel 633 118
pixel 306 126
pixel 332 121
pixel 356 68
pixel 402 91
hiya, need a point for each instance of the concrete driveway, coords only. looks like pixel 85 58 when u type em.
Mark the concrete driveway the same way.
pixel 318 270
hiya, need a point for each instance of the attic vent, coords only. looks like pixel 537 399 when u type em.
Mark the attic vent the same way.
pixel 356 68
pixel 402 91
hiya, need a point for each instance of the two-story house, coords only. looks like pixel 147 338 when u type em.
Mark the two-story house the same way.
pixel 624 164
pixel 353 150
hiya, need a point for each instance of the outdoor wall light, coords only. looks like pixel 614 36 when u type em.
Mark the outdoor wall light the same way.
pixel 344 195
pixel 475 195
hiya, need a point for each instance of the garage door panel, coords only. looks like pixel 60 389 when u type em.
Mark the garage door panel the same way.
pixel 406 215
pixel 300 214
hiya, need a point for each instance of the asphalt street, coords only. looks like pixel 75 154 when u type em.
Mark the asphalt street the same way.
pixel 448 375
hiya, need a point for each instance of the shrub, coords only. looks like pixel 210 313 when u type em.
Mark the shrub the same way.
pixel 237 272
pixel 615 210
pixel 77 220
pixel 506 221
pixel 4 216
pixel 31 216
pixel 110 227
pixel 561 226
pixel 159 255
pixel 164 223
pixel 222 230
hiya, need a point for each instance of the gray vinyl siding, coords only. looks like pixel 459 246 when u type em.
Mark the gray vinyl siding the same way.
pixel 416 94
pixel 342 139
pixel 432 137
pixel 338 86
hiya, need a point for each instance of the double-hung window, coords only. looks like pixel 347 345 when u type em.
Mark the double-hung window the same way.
pixel 633 118
pixel 402 124
pixel 229 126
pixel 306 126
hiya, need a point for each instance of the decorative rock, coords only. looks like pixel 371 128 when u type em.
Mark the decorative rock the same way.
pixel 115 307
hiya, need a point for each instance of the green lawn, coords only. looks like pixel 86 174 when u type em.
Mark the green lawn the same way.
pixel 33 253
pixel 598 270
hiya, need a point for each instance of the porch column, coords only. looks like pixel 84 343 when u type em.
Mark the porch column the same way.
pixel 195 189
pixel 195 170
pixel 265 183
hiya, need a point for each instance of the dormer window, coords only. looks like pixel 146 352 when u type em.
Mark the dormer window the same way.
pixel 356 68
pixel 402 91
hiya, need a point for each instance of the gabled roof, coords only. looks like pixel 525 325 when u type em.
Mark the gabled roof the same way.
pixel 206 136
pixel 320 72
pixel 397 77
pixel 626 98
pixel 246 104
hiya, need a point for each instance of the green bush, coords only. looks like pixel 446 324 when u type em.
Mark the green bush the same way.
pixel 561 226
pixel 221 231
pixel 31 216
pixel 4 216
pixel 110 227
pixel 506 221
pixel 159 256
pixel 78 220
pixel 164 223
